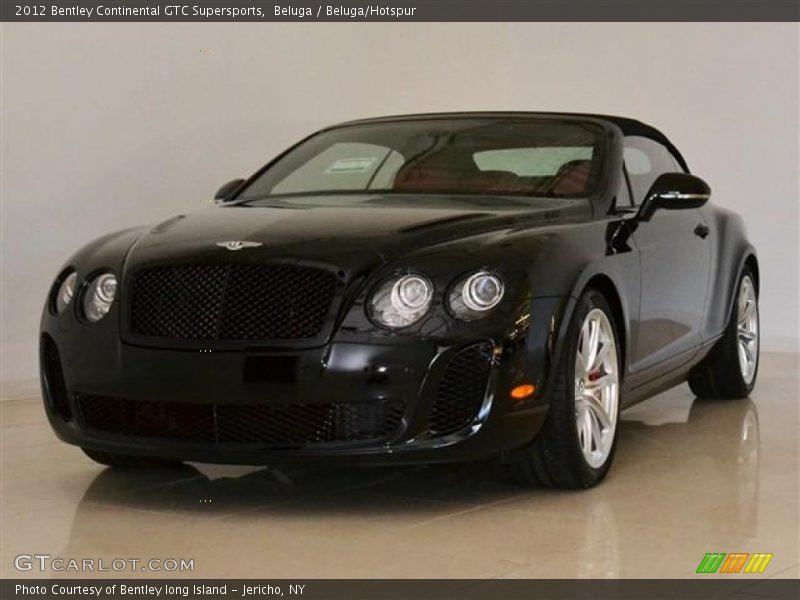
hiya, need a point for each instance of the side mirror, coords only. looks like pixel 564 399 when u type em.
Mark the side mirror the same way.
pixel 674 191
pixel 227 191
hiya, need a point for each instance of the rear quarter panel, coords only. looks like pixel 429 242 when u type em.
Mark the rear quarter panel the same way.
pixel 730 250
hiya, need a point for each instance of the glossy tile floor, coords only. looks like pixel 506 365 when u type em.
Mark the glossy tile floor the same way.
pixel 690 477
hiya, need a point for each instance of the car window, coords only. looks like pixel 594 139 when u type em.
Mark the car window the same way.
pixel 540 158
pixel 645 160
pixel 342 166
pixel 531 162
pixel 623 198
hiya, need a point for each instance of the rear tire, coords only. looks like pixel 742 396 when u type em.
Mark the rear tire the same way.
pixel 731 368
pixel 559 456
pixel 125 461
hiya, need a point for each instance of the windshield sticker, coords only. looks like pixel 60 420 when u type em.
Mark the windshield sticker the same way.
pixel 352 165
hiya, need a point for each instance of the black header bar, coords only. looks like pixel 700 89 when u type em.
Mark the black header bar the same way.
pixel 713 586
pixel 400 11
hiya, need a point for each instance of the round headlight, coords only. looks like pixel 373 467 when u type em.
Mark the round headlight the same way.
pixel 99 296
pixel 474 296
pixel 65 292
pixel 401 301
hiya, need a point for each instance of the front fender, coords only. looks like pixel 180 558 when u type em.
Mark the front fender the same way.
pixel 599 254
pixel 106 252
pixel 560 262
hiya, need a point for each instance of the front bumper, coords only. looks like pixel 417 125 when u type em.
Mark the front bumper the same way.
pixel 226 400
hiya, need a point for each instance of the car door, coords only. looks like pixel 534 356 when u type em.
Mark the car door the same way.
pixel 675 257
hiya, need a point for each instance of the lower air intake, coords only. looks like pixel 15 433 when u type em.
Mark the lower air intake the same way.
pixel 288 425
pixel 54 386
pixel 462 390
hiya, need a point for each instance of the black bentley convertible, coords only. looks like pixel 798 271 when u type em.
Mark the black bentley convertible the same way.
pixel 427 288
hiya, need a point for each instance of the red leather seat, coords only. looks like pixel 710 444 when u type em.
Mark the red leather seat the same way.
pixel 496 182
pixel 425 179
pixel 572 178
pixel 436 179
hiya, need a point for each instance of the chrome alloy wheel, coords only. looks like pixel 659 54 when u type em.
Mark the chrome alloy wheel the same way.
pixel 747 330
pixel 596 388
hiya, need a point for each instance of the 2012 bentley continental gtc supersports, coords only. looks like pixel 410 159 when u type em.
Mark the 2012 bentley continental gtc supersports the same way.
pixel 427 288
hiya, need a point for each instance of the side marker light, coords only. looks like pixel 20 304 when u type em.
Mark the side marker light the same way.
pixel 523 391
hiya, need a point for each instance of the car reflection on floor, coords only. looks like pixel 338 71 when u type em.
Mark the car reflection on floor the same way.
pixel 703 467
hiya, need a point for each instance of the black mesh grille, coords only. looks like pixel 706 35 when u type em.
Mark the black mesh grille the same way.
pixel 462 389
pixel 231 424
pixel 55 387
pixel 231 302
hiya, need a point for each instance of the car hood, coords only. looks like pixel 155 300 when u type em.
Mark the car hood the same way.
pixel 347 231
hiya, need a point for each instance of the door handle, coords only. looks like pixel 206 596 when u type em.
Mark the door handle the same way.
pixel 702 231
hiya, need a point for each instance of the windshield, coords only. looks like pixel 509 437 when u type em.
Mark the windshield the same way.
pixel 543 158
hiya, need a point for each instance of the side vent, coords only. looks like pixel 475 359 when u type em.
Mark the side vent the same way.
pixel 462 389
pixel 55 389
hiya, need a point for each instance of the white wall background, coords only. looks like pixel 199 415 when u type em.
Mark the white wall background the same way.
pixel 114 125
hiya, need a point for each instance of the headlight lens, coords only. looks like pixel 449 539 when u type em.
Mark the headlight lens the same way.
pixel 401 301
pixel 65 292
pixel 475 295
pixel 99 296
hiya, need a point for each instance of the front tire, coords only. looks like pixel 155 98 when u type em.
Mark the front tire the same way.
pixel 576 445
pixel 730 369
pixel 125 461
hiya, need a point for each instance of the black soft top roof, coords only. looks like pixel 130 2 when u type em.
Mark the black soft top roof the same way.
pixel 628 126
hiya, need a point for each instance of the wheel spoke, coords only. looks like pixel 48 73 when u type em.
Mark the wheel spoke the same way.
pixel 743 361
pixel 601 382
pixel 746 309
pixel 594 342
pixel 579 410
pixel 601 356
pixel 584 346
pixel 597 434
pixel 587 433
pixel 747 354
pixel 750 307
pixel 746 335
pixel 598 411
pixel 580 364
